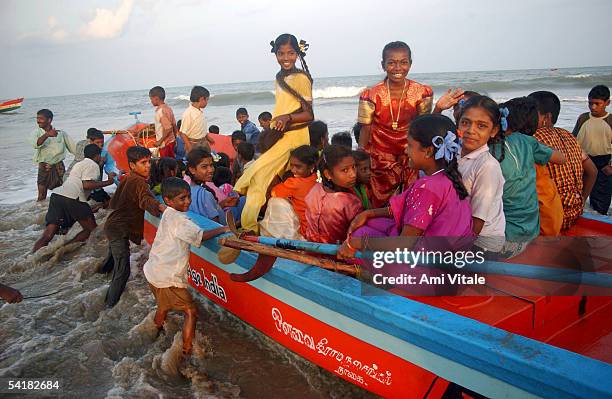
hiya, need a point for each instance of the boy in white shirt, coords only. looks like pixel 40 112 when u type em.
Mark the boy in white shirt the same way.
pixel 166 268
pixel 68 203
pixel 194 129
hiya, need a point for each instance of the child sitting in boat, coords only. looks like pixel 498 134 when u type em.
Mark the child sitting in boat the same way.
pixel 221 182
pixel 435 205
pixel 245 154
pixel 575 179
pixel 331 205
pixel 549 200
pixel 166 268
pixel 286 211
pixel 342 138
pixel 160 169
pixel 319 136
pixel 363 165
pixel 479 121
pixel 517 153
pixel 200 170
pixel 237 138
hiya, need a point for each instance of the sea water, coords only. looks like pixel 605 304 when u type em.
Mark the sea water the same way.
pixel 98 353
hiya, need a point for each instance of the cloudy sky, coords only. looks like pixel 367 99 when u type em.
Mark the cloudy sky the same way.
pixel 68 46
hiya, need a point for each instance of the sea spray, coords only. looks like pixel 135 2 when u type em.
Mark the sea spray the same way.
pixel 109 353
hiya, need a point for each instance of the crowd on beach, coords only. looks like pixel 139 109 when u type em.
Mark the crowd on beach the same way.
pixel 499 174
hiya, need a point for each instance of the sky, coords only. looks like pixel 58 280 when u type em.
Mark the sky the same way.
pixel 63 47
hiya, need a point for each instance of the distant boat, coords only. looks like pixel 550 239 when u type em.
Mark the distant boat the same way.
pixel 11 105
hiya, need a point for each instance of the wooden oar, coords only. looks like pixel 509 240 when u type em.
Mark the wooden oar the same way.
pixel 308 246
pixel 267 256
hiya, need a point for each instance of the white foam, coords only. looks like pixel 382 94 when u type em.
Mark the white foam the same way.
pixel 337 92
pixel 579 76
pixel 181 97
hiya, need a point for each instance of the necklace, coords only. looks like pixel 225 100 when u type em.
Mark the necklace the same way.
pixel 399 105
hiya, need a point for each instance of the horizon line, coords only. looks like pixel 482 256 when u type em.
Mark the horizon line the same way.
pixel 325 77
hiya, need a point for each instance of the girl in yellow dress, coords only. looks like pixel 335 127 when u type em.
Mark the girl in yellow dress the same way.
pixel 291 117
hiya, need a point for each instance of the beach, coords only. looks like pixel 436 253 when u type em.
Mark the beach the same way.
pixel 67 333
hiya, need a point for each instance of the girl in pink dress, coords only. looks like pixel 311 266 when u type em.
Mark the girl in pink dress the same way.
pixel 331 206
pixel 436 205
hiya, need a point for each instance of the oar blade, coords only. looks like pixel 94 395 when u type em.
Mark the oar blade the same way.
pixel 262 265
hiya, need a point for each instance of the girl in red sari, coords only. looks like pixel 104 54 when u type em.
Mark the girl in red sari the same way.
pixel 385 111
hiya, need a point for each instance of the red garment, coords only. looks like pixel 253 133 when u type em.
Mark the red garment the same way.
pixel 295 190
pixel 387 145
pixel 329 215
pixel 167 150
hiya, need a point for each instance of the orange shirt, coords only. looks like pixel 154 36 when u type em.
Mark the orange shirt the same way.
pixel 295 190
pixel 551 208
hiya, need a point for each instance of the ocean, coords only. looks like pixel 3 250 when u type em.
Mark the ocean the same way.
pixel 100 353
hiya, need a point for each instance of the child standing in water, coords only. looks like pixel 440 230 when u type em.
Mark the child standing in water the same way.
pixel 331 206
pixel 126 222
pixel 166 268
pixel 594 133
pixel 292 114
pixel 385 112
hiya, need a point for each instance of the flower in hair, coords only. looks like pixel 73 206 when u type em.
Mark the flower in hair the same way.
pixel 216 157
pixel 447 147
pixel 303 46
pixel 503 121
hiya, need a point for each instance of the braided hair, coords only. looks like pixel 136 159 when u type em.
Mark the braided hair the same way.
pixel 330 157
pixel 492 109
pixel 283 39
pixel 423 129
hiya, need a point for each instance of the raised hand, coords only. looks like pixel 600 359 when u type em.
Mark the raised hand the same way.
pixel 449 99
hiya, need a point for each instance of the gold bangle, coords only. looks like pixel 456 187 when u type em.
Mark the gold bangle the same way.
pixel 348 244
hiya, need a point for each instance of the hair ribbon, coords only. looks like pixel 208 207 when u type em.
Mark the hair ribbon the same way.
pixel 503 121
pixel 447 147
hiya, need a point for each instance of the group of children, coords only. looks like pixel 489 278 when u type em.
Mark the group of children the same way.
pixel 479 178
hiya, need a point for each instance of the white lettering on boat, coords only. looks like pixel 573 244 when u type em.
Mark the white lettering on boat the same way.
pixel 287 329
pixel 212 285
pixel 349 367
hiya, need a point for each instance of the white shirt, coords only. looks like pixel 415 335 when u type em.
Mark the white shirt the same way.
pixel 84 170
pixel 484 181
pixel 194 124
pixel 595 136
pixel 169 256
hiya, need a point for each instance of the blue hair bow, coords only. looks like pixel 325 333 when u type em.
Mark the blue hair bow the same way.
pixel 503 121
pixel 447 147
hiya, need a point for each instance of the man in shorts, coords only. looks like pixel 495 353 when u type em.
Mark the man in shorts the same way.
pixel 68 203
